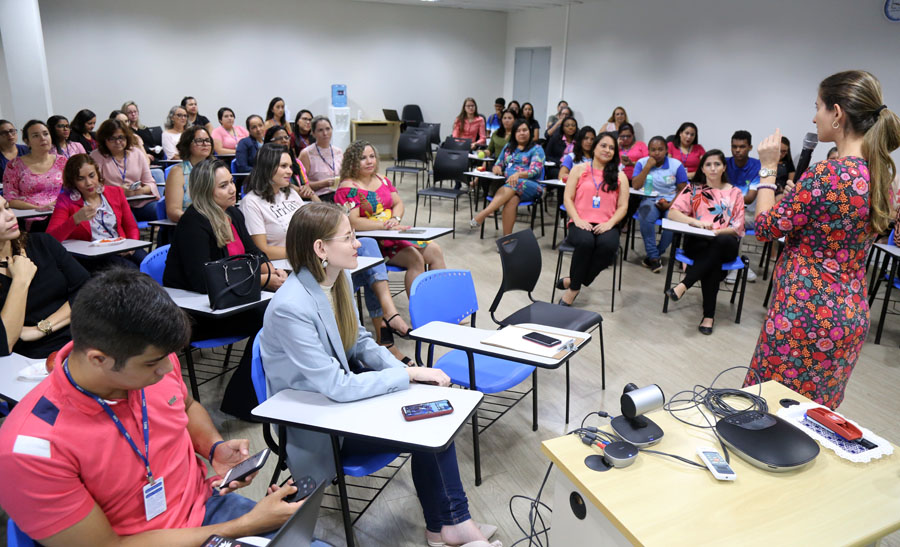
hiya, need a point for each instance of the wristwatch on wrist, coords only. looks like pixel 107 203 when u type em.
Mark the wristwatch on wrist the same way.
pixel 398 218
pixel 766 172
pixel 45 326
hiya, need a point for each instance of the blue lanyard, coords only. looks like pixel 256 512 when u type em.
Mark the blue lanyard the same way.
pixel 333 172
pixel 145 422
pixel 596 186
pixel 124 167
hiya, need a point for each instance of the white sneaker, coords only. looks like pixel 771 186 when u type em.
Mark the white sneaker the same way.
pixel 473 224
pixel 751 276
pixel 731 277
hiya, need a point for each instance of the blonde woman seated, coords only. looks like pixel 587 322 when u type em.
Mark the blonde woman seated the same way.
pixel 375 204
pixel 596 199
pixel 709 202
pixel 312 340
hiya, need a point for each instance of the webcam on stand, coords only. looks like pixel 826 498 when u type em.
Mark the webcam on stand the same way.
pixel 632 425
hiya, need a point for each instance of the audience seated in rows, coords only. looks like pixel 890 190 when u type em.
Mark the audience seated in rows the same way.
pixel 686 148
pixel 583 144
pixel 302 135
pixel 152 142
pixel 9 149
pixel 248 147
pixel 38 279
pixel 33 180
pixel 616 119
pixel 193 115
pixel 527 114
pixel 88 209
pixel 554 120
pixel 500 136
pixel 494 122
pixel 124 164
pixel 59 135
pixel 82 129
pixel 562 142
pixel 596 199
pixel 176 122
pixel 630 150
pixel 322 160
pixel 299 178
pixel 276 115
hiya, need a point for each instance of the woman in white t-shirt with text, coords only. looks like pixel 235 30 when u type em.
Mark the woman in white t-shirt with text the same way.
pixel 271 200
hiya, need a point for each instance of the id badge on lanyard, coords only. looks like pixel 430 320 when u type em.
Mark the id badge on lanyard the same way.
pixel 595 202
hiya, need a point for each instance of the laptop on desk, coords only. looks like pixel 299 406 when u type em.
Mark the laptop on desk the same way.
pixel 390 115
pixel 296 532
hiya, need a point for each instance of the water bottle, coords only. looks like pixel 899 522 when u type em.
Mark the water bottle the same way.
pixel 648 185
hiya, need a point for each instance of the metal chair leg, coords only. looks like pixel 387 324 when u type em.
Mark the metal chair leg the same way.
pixel 567 392
pixel 342 490
pixel 188 357
pixel 534 400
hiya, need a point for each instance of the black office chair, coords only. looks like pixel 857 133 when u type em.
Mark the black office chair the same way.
pixel 566 247
pixel 449 165
pixel 454 143
pixel 435 129
pixel 412 115
pixel 520 259
pixel 412 155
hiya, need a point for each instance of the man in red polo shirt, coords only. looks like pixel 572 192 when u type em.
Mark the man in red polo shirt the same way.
pixel 107 447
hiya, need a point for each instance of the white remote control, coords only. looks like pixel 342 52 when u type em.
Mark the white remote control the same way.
pixel 716 464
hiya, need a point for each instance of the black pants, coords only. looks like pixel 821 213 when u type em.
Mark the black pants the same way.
pixel 593 254
pixel 145 213
pixel 708 256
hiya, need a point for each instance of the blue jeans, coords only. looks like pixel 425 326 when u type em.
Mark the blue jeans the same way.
pixel 648 213
pixel 221 509
pixel 438 486
pixel 369 247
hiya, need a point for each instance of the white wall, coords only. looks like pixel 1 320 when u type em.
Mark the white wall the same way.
pixel 241 54
pixel 725 65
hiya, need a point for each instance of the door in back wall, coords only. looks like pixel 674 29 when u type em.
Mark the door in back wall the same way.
pixel 531 80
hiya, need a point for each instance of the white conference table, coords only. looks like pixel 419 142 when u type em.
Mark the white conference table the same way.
pixel 12 389
pixel 427 233
pixel 376 419
pixel 89 250
pixel 28 213
pixel 469 340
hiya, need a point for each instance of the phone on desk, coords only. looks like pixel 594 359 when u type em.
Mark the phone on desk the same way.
pixel 716 464
pixel 246 468
pixel 413 231
pixel 542 339
pixel 426 410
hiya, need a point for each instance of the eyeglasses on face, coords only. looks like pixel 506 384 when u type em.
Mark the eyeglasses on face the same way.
pixel 62 126
pixel 349 238
pixel 282 138
pixel 202 142
pixel 9 132
pixel 117 138
pixel 180 116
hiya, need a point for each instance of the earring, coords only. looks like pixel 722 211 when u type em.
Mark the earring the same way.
pixel 324 263
pixel 74 195
pixel 835 125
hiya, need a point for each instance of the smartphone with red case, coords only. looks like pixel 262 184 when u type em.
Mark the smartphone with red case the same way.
pixel 426 410
pixel 834 422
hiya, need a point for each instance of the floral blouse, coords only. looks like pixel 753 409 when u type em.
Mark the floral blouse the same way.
pixel 529 162
pixel 20 182
pixel 723 208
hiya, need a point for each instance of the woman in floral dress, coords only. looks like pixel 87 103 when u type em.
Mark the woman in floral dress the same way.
pixel 711 203
pixel 374 204
pixel 819 316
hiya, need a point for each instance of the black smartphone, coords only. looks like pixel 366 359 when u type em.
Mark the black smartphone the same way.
pixel 246 468
pixel 305 487
pixel 427 410
pixel 542 339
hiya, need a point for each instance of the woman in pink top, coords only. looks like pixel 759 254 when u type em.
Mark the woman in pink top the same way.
pixel 33 181
pixel 59 134
pixel 630 150
pixel 714 204
pixel 686 148
pixel 322 160
pixel 124 164
pixel 470 125
pixel 596 199
pixel 227 135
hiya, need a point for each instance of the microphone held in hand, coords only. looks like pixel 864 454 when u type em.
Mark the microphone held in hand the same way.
pixel 809 144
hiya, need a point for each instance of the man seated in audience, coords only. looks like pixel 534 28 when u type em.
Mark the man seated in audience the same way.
pixel 743 172
pixel 78 445
pixel 666 177
pixel 494 122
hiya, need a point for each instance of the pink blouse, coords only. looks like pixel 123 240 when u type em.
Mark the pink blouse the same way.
pixel 20 182
pixel 236 247
pixel 637 151
pixel 227 139
pixel 473 130
pixel 691 160
pixel 722 208
pixel 134 168
pixel 593 201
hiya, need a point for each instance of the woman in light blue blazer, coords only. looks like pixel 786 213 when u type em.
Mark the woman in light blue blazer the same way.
pixel 312 340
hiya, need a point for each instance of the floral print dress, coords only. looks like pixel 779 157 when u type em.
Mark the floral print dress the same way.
pixel 819 316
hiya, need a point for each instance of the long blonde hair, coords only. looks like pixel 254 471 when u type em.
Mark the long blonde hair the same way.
pixel 202 186
pixel 859 94
pixel 310 223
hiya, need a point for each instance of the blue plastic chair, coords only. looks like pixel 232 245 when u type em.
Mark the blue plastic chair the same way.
pixel 449 296
pixel 16 537
pixel 355 464
pixel 741 264
pixel 154 264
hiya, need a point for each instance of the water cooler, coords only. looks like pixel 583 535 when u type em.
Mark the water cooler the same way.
pixel 339 114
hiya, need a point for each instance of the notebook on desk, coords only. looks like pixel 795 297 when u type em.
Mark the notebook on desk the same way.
pixel 511 337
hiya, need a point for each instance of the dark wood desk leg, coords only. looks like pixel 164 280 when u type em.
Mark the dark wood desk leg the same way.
pixel 676 241
pixel 475 448
pixel 342 490
pixel 887 296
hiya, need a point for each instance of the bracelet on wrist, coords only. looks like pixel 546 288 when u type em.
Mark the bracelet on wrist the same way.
pixel 212 451
pixel 771 187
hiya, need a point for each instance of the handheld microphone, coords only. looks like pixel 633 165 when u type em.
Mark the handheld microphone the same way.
pixel 809 144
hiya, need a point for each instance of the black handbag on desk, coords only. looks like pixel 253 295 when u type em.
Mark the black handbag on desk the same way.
pixel 232 281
